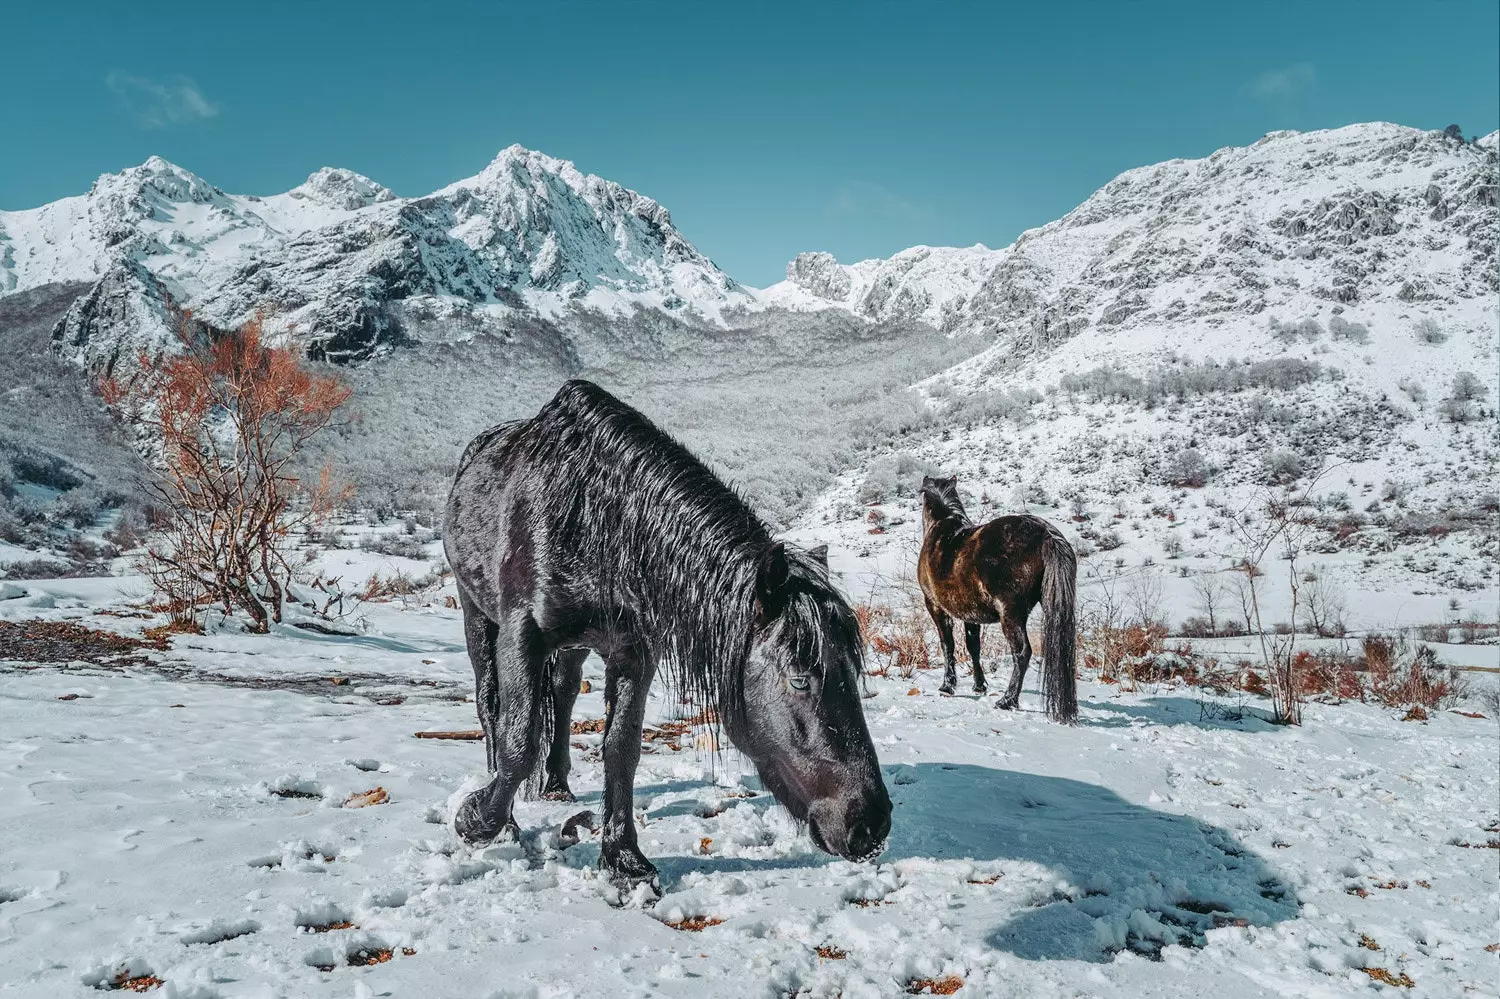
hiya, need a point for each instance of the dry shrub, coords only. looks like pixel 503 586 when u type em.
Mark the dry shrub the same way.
pixel 1400 675
pixel 233 420
pixel 1137 654
pixel 896 638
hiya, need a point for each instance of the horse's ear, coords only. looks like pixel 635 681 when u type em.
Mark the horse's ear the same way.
pixel 928 480
pixel 819 555
pixel 953 480
pixel 772 580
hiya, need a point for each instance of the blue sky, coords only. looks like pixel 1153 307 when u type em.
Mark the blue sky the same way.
pixel 766 128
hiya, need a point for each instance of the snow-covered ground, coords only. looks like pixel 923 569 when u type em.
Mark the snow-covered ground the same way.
pixel 1151 850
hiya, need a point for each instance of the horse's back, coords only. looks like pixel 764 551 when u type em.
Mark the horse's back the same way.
pixel 975 572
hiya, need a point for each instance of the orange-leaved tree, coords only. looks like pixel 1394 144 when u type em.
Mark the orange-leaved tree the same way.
pixel 233 419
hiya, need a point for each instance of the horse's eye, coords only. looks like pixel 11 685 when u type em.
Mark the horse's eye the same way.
pixel 799 683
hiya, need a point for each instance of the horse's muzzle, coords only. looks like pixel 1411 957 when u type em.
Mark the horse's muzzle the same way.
pixel 855 830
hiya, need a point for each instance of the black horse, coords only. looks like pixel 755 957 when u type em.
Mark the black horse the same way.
pixel 586 527
pixel 996 573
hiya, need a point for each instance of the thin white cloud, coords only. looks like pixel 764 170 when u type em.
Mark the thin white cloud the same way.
pixel 1281 83
pixel 160 104
pixel 863 199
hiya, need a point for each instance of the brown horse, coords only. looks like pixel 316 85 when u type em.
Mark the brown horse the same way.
pixel 996 574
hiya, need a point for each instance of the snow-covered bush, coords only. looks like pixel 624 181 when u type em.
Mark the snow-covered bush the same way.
pixel 1427 331
pixel 1187 467
pixel 1461 405
pixel 891 476
pixel 1342 329
pixel 1281 466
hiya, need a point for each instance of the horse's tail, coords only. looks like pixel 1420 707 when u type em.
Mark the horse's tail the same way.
pixel 540 729
pixel 1059 635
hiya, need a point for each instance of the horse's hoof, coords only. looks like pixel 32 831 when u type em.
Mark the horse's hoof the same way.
pixel 477 829
pixel 946 689
pixel 558 793
pixel 981 689
pixel 628 869
pixel 1006 704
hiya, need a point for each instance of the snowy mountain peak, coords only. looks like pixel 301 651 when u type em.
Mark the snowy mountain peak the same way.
pixel 156 178
pixel 337 188
pixel 350 266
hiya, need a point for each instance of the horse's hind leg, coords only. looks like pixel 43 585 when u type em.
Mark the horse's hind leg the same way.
pixel 945 635
pixel 512 697
pixel 627 679
pixel 971 639
pixel 567 674
pixel 1014 626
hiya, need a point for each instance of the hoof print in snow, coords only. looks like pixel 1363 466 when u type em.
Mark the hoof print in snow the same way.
pixel 945 986
pixel 219 931
pixel 140 983
pixel 126 976
pixel 364 799
pixel 292 787
pixel 323 917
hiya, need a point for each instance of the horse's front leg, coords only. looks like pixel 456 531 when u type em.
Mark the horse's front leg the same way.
pixel 510 698
pixel 628 677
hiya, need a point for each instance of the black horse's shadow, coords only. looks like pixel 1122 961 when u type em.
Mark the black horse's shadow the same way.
pixel 1186 875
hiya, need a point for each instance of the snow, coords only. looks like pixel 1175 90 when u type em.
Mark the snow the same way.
pixel 1149 850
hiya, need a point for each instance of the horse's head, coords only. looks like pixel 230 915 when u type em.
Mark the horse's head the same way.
pixel 940 500
pixel 800 719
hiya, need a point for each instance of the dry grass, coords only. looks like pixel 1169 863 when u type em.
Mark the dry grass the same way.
pixel 139 983
pixel 67 641
pixel 828 952
pixel 364 799
pixel 1401 980
pixel 897 638
pixel 694 924
pixel 945 986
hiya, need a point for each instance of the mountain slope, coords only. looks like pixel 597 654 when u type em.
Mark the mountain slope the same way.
pixel 1200 334
pixel 1365 213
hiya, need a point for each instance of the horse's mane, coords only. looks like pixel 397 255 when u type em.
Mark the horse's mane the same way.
pixel 665 540
pixel 943 500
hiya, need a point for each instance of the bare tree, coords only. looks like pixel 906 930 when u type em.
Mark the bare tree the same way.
pixel 1143 597
pixel 1209 588
pixel 233 419
pixel 1323 605
pixel 1282 526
